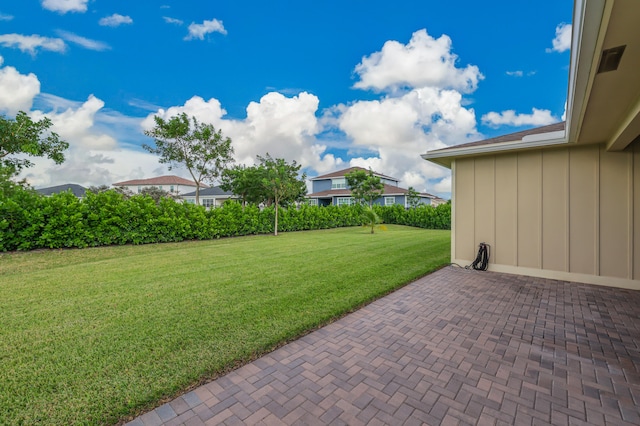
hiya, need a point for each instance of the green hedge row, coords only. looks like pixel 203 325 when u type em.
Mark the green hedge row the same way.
pixel 30 221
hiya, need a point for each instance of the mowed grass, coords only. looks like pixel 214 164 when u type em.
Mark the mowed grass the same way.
pixel 97 335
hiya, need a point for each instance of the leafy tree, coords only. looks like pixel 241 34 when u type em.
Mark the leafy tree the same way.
pixel 98 189
pixel 365 186
pixel 25 136
pixel 244 182
pixel 413 197
pixel 280 183
pixel 183 140
pixel 156 193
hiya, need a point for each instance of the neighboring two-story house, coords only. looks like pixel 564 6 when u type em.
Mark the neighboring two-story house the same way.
pixel 332 189
pixel 172 184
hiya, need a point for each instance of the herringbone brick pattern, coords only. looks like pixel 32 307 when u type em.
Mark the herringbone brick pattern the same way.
pixel 456 347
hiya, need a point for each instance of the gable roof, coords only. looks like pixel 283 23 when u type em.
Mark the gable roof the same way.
pixel 160 180
pixel 511 137
pixel 551 134
pixel 341 173
pixel 76 190
pixel 212 191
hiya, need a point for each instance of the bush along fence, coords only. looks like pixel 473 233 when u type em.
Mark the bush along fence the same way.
pixel 30 221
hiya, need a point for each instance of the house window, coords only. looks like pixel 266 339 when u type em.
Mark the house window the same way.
pixel 339 183
pixel 313 201
pixel 172 190
pixel 389 201
pixel 191 201
pixel 138 189
pixel 209 202
pixel 344 201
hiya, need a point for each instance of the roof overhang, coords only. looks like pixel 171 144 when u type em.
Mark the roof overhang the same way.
pixel 601 107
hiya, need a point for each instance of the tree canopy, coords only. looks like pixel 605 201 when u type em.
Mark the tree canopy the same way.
pixel 22 135
pixel 271 182
pixel 365 186
pixel 184 141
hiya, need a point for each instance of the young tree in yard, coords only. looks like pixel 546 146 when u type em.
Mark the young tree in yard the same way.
pixel 365 186
pixel 413 197
pixel 156 193
pixel 371 219
pixel 280 183
pixel 183 140
pixel 25 136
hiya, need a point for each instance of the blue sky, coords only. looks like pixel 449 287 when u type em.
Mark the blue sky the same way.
pixel 329 84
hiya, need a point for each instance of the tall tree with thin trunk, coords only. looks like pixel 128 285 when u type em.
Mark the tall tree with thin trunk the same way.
pixel 184 141
pixel 281 183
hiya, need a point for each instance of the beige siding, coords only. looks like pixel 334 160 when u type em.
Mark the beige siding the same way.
pixel 583 209
pixel 572 210
pixel 464 207
pixel 529 209
pixel 484 200
pixel 555 211
pixel 504 250
pixel 615 180
pixel 636 211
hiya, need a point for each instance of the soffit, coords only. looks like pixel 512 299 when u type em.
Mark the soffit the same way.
pixel 612 113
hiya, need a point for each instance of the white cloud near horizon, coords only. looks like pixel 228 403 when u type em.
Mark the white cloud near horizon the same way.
pixel 115 20
pixel 16 90
pixel 87 43
pixel 173 21
pixel 32 43
pixel 538 117
pixel 198 31
pixel 424 61
pixel 562 40
pixel 64 6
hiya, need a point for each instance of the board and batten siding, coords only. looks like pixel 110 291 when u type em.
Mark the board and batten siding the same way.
pixel 570 213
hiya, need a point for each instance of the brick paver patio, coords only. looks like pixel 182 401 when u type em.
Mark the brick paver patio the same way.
pixel 455 347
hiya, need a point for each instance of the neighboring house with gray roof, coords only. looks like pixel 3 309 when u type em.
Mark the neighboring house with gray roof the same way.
pixel 332 189
pixel 175 185
pixel 209 197
pixel 75 189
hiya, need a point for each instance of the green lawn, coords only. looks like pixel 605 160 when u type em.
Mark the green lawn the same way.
pixel 97 335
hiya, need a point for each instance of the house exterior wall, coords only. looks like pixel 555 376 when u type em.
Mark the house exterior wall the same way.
pixel 321 185
pixel 570 213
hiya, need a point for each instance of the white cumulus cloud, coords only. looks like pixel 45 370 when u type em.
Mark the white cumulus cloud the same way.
pixel 115 20
pixel 424 61
pixel 200 30
pixel 32 43
pixel 64 6
pixel 16 90
pixel 562 40
pixel 285 127
pixel 5 17
pixel 538 117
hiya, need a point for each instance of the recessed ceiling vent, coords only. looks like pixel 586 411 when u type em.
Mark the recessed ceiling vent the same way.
pixel 610 59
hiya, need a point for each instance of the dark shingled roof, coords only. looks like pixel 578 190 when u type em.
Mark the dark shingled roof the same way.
pixel 511 137
pixel 76 190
